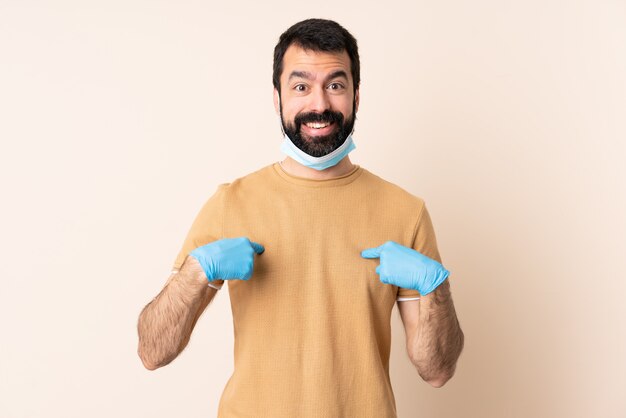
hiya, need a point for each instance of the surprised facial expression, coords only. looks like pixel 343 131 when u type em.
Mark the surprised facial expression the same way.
pixel 317 103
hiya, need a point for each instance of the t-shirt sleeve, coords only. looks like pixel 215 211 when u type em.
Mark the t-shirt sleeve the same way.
pixel 207 227
pixel 424 242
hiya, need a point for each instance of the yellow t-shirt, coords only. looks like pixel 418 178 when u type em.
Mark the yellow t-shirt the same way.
pixel 312 325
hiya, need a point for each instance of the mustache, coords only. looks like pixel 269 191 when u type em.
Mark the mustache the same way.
pixel 325 117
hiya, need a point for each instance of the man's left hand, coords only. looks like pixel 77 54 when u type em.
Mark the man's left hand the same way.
pixel 404 267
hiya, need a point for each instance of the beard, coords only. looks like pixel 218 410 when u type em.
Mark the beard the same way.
pixel 319 146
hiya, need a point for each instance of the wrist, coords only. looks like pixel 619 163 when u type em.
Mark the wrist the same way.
pixel 194 271
pixel 441 278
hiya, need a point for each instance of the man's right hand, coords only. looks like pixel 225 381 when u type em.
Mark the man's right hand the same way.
pixel 227 259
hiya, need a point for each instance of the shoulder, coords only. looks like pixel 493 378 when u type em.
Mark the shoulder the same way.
pixel 391 192
pixel 248 182
pixel 240 189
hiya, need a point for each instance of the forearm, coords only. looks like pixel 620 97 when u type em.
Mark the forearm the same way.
pixel 438 342
pixel 166 323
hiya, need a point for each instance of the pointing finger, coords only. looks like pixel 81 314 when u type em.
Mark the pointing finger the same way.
pixel 371 253
pixel 258 248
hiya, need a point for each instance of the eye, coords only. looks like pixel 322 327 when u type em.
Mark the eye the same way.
pixel 335 86
pixel 299 87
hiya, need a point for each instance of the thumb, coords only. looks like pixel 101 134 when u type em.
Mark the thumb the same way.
pixel 258 248
pixel 371 252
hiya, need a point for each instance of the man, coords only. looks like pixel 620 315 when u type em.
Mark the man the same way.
pixel 316 251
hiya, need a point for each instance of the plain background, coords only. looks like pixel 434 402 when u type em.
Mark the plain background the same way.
pixel 118 119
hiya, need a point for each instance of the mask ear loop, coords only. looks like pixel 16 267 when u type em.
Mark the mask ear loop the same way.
pixel 353 115
pixel 280 123
pixel 280 117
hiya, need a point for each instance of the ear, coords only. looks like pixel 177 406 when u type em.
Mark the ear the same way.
pixel 277 101
pixel 356 100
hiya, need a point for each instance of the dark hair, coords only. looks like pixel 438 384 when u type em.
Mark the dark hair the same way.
pixel 317 35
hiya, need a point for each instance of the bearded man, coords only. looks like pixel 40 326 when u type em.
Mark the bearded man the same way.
pixel 316 251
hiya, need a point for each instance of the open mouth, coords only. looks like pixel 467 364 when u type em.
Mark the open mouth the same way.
pixel 318 128
pixel 317 125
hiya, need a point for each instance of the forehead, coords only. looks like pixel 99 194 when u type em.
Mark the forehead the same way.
pixel 318 63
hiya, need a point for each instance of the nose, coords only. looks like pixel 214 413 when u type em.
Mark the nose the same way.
pixel 319 100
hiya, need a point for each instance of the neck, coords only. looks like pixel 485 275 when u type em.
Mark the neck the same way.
pixel 294 168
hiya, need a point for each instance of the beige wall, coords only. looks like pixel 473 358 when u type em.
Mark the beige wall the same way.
pixel 119 118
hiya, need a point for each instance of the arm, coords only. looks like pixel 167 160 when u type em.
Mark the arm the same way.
pixel 166 323
pixel 433 335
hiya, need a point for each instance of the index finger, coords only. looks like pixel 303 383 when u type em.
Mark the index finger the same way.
pixel 258 248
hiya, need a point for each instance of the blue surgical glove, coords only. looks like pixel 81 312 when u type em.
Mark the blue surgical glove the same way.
pixel 404 267
pixel 229 258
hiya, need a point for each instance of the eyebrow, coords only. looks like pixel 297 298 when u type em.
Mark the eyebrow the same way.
pixel 308 76
pixel 337 74
pixel 300 74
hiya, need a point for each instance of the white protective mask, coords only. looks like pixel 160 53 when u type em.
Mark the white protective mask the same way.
pixel 318 163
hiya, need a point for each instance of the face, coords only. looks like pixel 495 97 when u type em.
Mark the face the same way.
pixel 317 103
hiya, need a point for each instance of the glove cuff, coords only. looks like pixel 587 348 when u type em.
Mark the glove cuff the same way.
pixel 440 279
